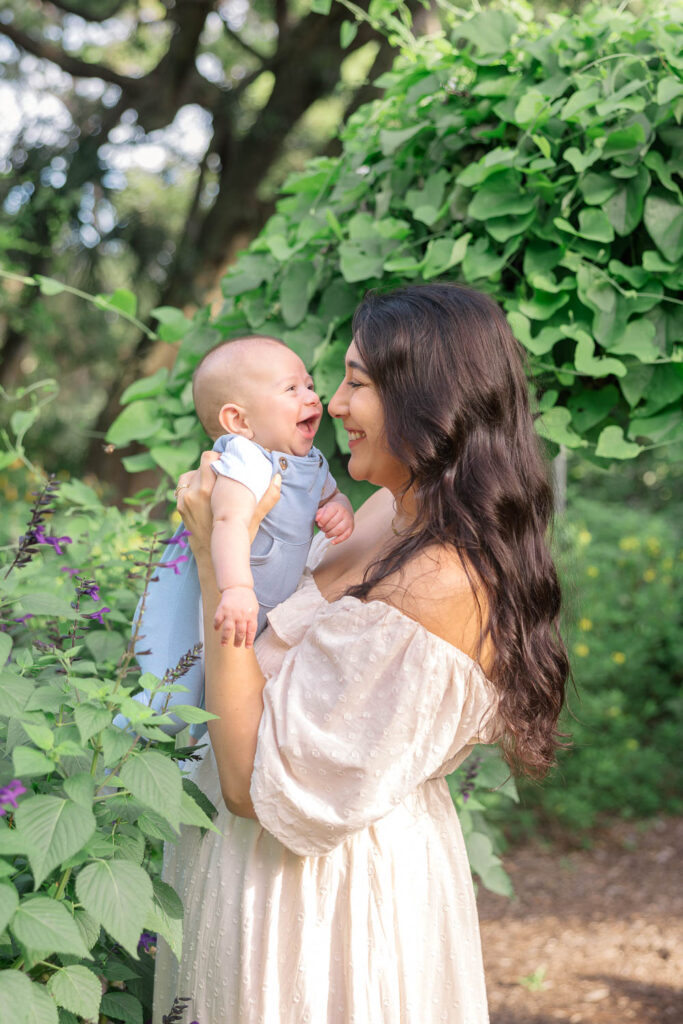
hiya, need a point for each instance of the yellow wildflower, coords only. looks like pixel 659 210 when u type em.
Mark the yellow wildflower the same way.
pixel 649 575
pixel 585 624
pixel 632 743
pixel 584 538
pixel 581 650
pixel 618 657
pixel 667 563
pixel 653 546
pixel 592 571
pixel 629 543
pixel 613 711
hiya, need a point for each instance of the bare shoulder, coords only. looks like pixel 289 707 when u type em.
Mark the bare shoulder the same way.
pixel 435 590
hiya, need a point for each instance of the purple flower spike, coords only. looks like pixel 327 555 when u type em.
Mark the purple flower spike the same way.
pixel 24 618
pixel 56 543
pixel 97 616
pixel 180 538
pixel 146 942
pixel 9 794
pixel 71 572
pixel 174 564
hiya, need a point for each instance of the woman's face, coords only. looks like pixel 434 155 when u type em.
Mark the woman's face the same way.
pixel 357 404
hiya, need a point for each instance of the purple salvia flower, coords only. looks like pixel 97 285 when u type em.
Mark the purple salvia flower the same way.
pixel 56 543
pixel 146 942
pixel 25 618
pixel 9 794
pixel 97 616
pixel 181 539
pixel 71 572
pixel 174 564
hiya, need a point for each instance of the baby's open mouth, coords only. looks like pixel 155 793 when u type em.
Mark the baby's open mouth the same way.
pixel 309 425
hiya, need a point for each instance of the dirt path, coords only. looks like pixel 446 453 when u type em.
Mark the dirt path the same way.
pixel 593 936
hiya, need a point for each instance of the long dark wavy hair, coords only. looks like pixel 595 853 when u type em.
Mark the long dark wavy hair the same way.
pixel 451 379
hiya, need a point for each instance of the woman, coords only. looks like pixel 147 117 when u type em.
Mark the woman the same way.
pixel 339 890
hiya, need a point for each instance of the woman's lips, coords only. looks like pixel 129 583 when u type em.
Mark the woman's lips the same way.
pixel 355 437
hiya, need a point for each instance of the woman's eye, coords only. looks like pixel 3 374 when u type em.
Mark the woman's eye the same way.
pixel 354 384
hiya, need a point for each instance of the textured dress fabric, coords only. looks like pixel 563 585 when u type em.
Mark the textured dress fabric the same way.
pixel 349 900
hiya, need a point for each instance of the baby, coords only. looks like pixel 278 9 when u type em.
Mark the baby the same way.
pixel 255 397
pixel 258 394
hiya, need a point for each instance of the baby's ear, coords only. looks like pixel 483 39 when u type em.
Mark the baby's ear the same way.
pixel 233 420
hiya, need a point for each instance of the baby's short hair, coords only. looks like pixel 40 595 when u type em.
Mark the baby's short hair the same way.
pixel 211 387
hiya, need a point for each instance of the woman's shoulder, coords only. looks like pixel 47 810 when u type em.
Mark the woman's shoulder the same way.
pixel 436 590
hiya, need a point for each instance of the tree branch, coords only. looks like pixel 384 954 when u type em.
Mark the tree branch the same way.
pixel 72 65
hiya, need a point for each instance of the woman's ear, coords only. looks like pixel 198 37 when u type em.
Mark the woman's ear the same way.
pixel 233 420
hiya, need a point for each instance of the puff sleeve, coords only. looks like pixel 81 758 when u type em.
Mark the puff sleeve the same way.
pixel 367 706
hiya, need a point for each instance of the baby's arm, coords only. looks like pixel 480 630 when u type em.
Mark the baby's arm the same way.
pixel 335 517
pixel 233 505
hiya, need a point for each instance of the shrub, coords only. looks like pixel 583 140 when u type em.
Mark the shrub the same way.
pixel 84 806
pixel 540 163
pixel 622 569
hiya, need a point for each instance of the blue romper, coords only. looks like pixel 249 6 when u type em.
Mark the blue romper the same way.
pixel 173 622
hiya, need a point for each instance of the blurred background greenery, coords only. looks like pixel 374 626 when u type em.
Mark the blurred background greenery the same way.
pixel 142 146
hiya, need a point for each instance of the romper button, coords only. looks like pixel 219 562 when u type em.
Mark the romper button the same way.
pixel 320 460
pixel 283 463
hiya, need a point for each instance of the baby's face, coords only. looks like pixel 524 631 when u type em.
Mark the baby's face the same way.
pixel 281 406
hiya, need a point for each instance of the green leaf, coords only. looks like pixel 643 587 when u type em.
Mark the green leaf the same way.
pixel 624 140
pixel 635 383
pixel 155 781
pixel 590 407
pixel 612 445
pixel 594 224
pixel 638 340
pixel 580 161
pixel 41 735
pixel 9 901
pixel 625 208
pixel 46 924
pixel 124 301
pixel 78 990
pixel 56 829
pixel 48 285
pixel 501 196
pixel 486 864
pixel 580 101
pixel 392 139
pixel 122 1006
pixel 480 261
pixel 668 88
pixel 491 31
pixel 28 762
pixel 5 647
pixel 348 31
pixel 444 253
pixel 296 290
pixel 118 895
pixel 321 6
pixel 115 744
pixel 192 814
pixel 178 458
pixel 173 324
pixel 146 387
pixel 200 798
pixel 542 343
pixel 555 425
pixel 597 188
pixel 46 604
pixel 527 112
pixel 358 265
pixel 584 359
pixel 138 421
pixel 191 714
pixel 91 719
pixel 664 222
pixel 80 788
pixel 23 1001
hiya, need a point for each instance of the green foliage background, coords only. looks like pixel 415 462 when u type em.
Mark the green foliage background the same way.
pixel 540 163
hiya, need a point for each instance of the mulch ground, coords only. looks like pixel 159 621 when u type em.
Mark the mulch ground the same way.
pixel 593 936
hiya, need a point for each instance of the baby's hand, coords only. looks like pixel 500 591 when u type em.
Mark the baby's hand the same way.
pixel 237 616
pixel 335 519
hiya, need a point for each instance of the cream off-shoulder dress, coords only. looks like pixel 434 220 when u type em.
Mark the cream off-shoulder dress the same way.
pixel 349 900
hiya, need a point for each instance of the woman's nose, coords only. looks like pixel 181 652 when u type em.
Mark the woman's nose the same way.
pixel 335 406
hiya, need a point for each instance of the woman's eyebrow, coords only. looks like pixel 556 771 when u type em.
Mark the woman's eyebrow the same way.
pixel 352 364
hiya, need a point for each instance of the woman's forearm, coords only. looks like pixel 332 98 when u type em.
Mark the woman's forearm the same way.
pixel 233 687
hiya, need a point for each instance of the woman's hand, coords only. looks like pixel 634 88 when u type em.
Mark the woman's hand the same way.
pixel 193 497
